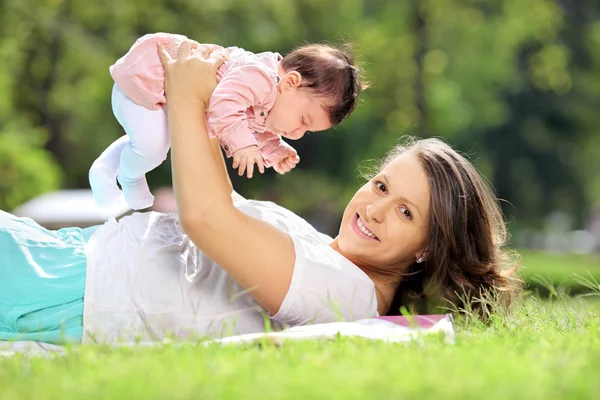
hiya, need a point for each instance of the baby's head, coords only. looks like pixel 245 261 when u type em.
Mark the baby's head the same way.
pixel 318 89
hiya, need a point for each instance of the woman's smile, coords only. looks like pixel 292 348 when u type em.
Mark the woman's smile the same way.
pixel 361 230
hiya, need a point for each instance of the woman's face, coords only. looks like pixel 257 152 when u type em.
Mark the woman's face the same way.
pixel 385 224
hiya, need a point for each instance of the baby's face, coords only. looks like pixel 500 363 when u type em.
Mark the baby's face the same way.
pixel 296 111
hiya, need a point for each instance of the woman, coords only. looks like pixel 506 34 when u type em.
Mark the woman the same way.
pixel 221 267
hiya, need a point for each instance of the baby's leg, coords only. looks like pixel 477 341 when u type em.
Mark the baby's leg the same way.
pixel 103 174
pixel 147 148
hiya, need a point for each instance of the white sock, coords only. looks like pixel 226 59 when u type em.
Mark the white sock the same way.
pixel 137 193
pixel 103 175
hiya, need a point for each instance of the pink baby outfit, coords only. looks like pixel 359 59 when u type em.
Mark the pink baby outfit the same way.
pixel 239 105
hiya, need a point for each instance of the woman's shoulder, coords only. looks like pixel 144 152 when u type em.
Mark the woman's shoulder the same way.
pixel 311 246
pixel 283 219
pixel 325 286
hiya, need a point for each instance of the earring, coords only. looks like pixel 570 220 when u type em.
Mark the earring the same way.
pixel 420 260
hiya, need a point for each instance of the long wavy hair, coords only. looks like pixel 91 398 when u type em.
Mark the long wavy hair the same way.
pixel 466 260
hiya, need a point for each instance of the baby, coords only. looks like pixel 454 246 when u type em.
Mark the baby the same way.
pixel 259 99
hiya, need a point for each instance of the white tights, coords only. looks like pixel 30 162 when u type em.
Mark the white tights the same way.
pixel 129 158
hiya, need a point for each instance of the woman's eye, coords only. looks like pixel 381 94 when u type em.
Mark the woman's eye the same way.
pixel 380 186
pixel 406 212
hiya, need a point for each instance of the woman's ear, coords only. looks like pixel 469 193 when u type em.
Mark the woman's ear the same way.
pixel 421 257
pixel 291 80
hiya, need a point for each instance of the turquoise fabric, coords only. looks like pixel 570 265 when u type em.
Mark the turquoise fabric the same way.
pixel 42 281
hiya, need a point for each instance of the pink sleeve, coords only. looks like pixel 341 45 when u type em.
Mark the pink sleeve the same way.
pixel 241 87
pixel 272 148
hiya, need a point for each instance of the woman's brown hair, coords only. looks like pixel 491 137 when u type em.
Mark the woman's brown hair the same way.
pixel 466 261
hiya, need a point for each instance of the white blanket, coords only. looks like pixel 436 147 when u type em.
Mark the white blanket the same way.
pixel 388 329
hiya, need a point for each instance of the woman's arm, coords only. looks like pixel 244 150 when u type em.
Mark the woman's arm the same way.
pixel 257 255
pixel 216 146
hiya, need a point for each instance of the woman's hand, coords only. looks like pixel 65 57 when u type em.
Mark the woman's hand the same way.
pixel 193 75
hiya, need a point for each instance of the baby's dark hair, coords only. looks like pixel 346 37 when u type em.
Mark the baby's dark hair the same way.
pixel 329 72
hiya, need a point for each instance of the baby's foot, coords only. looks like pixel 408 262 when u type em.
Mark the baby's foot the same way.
pixel 137 193
pixel 108 197
pixel 104 188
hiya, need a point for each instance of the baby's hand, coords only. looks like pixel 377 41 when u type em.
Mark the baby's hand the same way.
pixel 246 158
pixel 287 162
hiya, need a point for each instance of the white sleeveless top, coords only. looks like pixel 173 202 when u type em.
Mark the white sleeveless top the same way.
pixel 146 280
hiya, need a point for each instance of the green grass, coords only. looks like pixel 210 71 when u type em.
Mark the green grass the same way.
pixel 559 270
pixel 545 349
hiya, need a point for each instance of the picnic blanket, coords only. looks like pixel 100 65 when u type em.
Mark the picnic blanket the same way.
pixel 389 329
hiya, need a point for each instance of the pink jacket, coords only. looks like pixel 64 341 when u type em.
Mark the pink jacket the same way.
pixel 239 105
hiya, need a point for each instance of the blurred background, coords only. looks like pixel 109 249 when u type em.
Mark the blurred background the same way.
pixel 513 84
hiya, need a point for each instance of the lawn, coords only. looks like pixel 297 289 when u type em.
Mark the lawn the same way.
pixel 546 349
pixel 561 271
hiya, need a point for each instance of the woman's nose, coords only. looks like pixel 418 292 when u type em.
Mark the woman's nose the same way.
pixel 376 211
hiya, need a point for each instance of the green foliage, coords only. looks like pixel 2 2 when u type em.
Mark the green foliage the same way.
pixel 516 82
pixel 27 170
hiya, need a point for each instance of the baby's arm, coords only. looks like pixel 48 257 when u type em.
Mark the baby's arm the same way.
pixel 277 153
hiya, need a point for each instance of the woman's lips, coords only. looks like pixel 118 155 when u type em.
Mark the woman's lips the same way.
pixel 356 221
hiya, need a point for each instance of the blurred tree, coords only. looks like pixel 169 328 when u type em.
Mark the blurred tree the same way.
pixel 516 82
pixel 27 170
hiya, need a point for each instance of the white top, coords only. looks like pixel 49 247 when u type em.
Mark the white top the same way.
pixel 146 280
